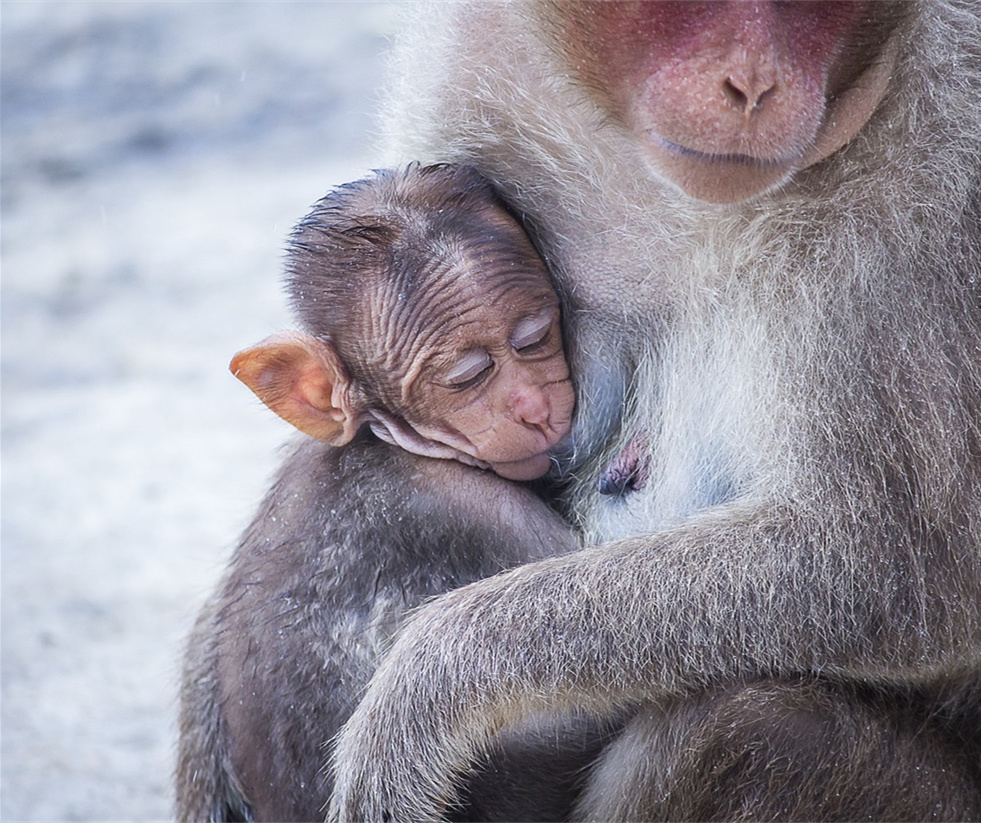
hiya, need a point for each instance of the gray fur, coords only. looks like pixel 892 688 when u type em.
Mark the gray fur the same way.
pixel 335 556
pixel 807 366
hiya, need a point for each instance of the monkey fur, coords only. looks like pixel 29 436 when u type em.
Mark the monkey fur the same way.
pixel 784 621
pixel 335 556
pixel 791 605
pixel 357 530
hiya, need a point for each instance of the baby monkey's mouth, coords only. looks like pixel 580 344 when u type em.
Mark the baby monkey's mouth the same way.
pixel 530 468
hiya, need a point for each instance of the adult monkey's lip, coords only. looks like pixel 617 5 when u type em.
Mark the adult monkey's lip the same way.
pixel 717 177
pixel 722 158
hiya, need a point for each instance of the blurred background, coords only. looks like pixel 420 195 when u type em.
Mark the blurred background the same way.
pixel 154 157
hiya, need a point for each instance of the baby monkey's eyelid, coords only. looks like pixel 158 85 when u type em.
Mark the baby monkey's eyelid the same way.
pixel 469 367
pixel 474 381
pixel 532 330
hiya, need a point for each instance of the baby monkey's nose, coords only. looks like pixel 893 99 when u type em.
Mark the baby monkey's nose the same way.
pixel 530 405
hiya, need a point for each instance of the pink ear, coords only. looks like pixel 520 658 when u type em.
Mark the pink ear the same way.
pixel 301 379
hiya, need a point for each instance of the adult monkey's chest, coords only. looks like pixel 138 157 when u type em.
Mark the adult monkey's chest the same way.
pixel 703 412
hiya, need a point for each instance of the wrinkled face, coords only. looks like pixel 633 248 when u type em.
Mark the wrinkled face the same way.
pixel 486 373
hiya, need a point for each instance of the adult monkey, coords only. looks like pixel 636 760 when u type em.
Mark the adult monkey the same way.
pixel 766 217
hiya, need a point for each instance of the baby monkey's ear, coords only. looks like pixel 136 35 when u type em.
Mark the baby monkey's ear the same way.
pixel 302 379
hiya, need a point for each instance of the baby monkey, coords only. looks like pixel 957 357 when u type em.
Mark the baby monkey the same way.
pixel 430 318
pixel 430 330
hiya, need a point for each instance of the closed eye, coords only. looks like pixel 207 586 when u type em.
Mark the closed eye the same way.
pixel 469 371
pixel 532 333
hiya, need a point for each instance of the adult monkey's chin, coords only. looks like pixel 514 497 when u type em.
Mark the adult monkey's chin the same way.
pixel 722 178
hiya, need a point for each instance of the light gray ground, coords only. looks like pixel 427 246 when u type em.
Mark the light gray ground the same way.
pixel 154 157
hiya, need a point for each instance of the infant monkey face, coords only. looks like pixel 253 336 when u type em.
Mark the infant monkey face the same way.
pixel 499 388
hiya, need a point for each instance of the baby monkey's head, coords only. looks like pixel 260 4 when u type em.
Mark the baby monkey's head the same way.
pixel 428 315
